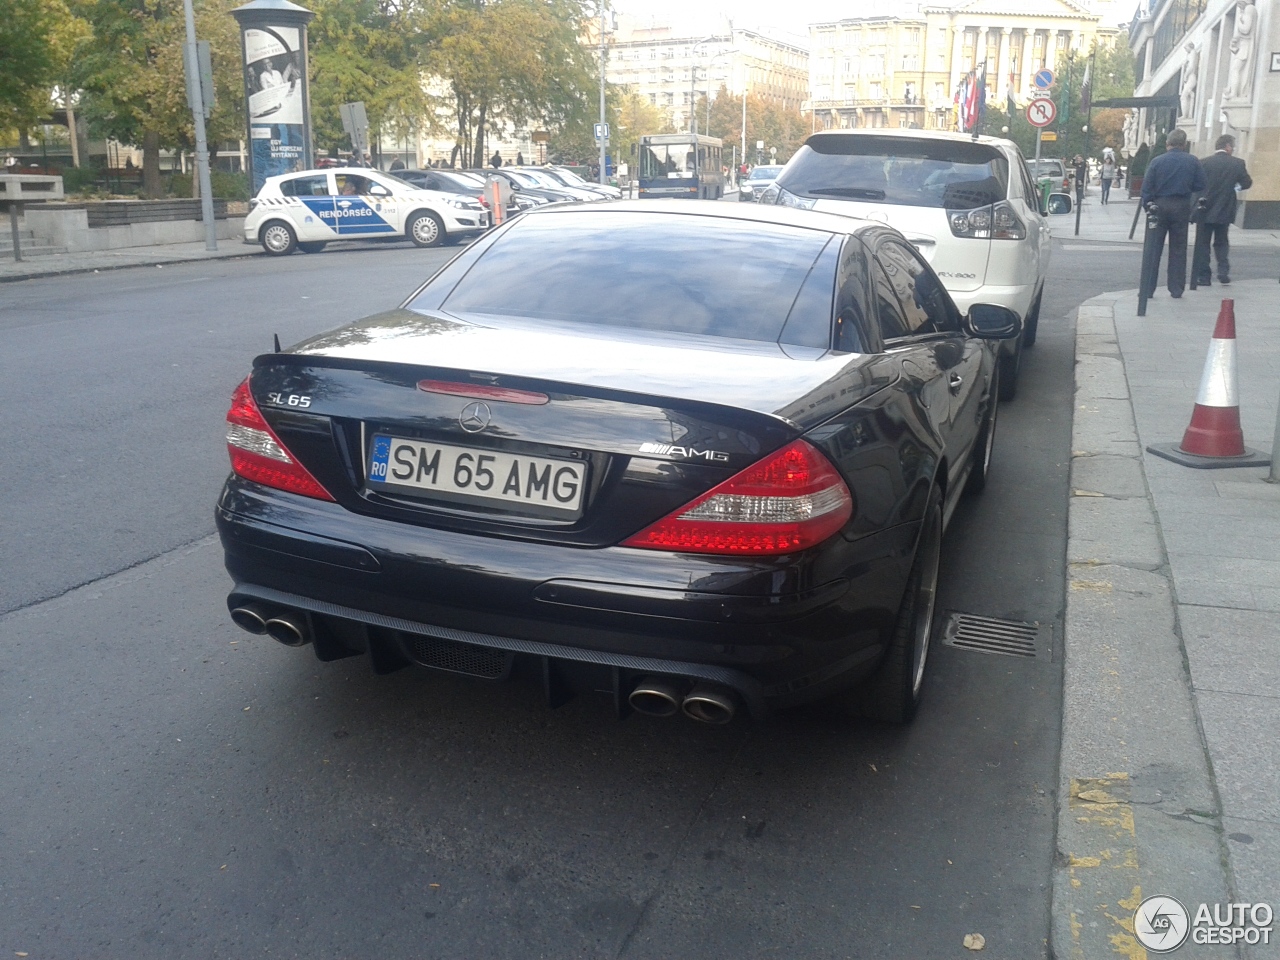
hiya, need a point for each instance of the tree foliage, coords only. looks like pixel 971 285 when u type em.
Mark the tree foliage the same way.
pixel 768 121
pixel 630 116
pixel 37 41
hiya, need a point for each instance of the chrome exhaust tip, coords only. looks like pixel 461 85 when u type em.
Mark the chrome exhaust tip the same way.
pixel 250 617
pixel 289 629
pixel 657 698
pixel 709 703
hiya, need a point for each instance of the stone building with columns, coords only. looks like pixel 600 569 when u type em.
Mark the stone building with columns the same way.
pixel 899 64
pixel 1219 61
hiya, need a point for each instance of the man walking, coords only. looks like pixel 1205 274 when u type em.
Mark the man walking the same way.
pixel 1171 179
pixel 1223 174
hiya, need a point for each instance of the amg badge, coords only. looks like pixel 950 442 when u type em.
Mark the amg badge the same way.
pixel 689 453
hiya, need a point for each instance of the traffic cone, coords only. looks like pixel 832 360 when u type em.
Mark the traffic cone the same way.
pixel 1214 437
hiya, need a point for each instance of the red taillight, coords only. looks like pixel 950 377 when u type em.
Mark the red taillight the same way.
pixel 479 391
pixel 257 453
pixel 789 501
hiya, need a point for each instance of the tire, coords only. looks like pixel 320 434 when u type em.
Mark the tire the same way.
pixel 983 446
pixel 1032 323
pixel 1009 365
pixel 425 229
pixel 312 246
pixel 892 693
pixel 278 238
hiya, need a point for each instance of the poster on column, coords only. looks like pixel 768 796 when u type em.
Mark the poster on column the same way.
pixel 273 80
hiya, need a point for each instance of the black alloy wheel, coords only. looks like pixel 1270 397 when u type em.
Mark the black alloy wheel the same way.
pixel 892 693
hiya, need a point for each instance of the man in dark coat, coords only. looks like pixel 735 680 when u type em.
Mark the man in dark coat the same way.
pixel 1223 173
pixel 1170 181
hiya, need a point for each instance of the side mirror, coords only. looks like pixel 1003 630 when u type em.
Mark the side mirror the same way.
pixel 377 190
pixel 990 321
pixel 1059 203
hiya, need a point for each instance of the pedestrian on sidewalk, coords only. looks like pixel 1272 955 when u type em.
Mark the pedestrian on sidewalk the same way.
pixel 1170 181
pixel 1081 168
pixel 1224 175
pixel 1108 172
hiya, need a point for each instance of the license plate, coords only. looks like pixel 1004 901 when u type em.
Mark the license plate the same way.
pixel 540 483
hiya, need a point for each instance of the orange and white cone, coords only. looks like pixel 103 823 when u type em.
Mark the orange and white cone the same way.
pixel 1214 437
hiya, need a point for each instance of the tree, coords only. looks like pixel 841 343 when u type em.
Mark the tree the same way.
pixel 510 62
pixel 630 116
pixel 768 121
pixel 131 76
pixel 37 38
pixel 371 51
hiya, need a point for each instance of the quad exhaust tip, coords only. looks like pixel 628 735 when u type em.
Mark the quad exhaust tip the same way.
pixel 657 698
pixel 289 629
pixel 709 703
pixel 250 617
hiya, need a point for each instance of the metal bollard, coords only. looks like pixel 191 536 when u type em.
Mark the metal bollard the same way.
pixel 15 211
pixel 1274 475
pixel 1150 271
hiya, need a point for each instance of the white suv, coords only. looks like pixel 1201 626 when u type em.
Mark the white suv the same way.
pixel 968 204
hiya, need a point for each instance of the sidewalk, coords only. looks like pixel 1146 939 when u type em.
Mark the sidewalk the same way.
pixel 1111 224
pixel 1170 767
pixel 60 263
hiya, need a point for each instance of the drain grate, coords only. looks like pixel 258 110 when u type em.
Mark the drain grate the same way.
pixel 1010 638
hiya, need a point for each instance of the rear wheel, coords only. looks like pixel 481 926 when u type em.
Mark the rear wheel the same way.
pixel 425 230
pixel 1032 323
pixel 892 693
pixel 313 246
pixel 278 238
pixel 986 440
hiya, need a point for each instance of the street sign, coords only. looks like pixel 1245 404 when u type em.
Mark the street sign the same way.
pixel 1041 111
pixel 206 76
pixel 355 122
pixel 1048 135
pixel 1043 79
pixel 602 132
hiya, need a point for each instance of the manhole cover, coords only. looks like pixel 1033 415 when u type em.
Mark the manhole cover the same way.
pixel 1010 638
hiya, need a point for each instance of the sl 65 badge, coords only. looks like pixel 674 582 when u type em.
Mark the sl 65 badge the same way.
pixel 288 400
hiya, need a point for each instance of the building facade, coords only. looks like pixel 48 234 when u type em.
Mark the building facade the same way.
pixel 900 64
pixel 673 69
pixel 1219 61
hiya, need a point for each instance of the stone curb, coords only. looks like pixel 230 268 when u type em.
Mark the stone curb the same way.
pixel 1138 810
pixel 104 267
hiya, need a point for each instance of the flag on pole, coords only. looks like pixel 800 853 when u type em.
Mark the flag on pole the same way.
pixel 1009 105
pixel 1086 88
pixel 980 99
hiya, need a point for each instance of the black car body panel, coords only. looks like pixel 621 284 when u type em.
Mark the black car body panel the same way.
pixel 657 419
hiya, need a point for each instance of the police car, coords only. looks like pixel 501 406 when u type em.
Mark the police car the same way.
pixel 309 209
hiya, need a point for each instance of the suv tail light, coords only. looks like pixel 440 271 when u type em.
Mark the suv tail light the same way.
pixel 791 500
pixel 257 453
pixel 996 221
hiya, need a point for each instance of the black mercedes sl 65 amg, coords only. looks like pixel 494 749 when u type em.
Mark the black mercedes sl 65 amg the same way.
pixel 695 455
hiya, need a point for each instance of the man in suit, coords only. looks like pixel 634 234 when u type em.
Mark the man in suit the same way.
pixel 1223 173
pixel 1170 181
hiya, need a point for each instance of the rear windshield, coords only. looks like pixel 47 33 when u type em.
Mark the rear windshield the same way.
pixel 765 173
pixel 706 276
pixel 954 175
pixel 1047 168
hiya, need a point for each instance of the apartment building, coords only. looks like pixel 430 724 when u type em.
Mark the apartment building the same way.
pixel 899 64
pixel 674 67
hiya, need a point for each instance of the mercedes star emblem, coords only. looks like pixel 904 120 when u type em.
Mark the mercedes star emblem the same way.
pixel 474 417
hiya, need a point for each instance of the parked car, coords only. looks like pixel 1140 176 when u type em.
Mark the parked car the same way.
pixel 466 184
pixel 307 210
pixel 538 177
pixel 523 187
pixel 968 204
pixel 759 178
pixel 701 458
pixel 1053 170
pixel 570 178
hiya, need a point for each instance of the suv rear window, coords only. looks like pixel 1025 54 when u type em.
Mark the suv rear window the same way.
pixel 700 275
pixel 954 175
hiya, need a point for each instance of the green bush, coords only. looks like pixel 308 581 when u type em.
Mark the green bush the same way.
pixel 79 179
pixel 226 186
pixel 1141 157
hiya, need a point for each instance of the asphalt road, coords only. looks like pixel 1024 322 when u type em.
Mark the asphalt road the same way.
pixel 176 788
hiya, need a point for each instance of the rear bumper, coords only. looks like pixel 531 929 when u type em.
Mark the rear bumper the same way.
pixel 780 630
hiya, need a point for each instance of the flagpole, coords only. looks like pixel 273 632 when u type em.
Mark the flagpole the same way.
pixel 1087 89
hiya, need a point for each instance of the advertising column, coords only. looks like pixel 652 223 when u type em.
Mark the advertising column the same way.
pixel 274 42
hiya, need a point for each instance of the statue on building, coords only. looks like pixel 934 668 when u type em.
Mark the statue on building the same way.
pixel 1190 79
pixel 1244 40
pixel 1130 132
